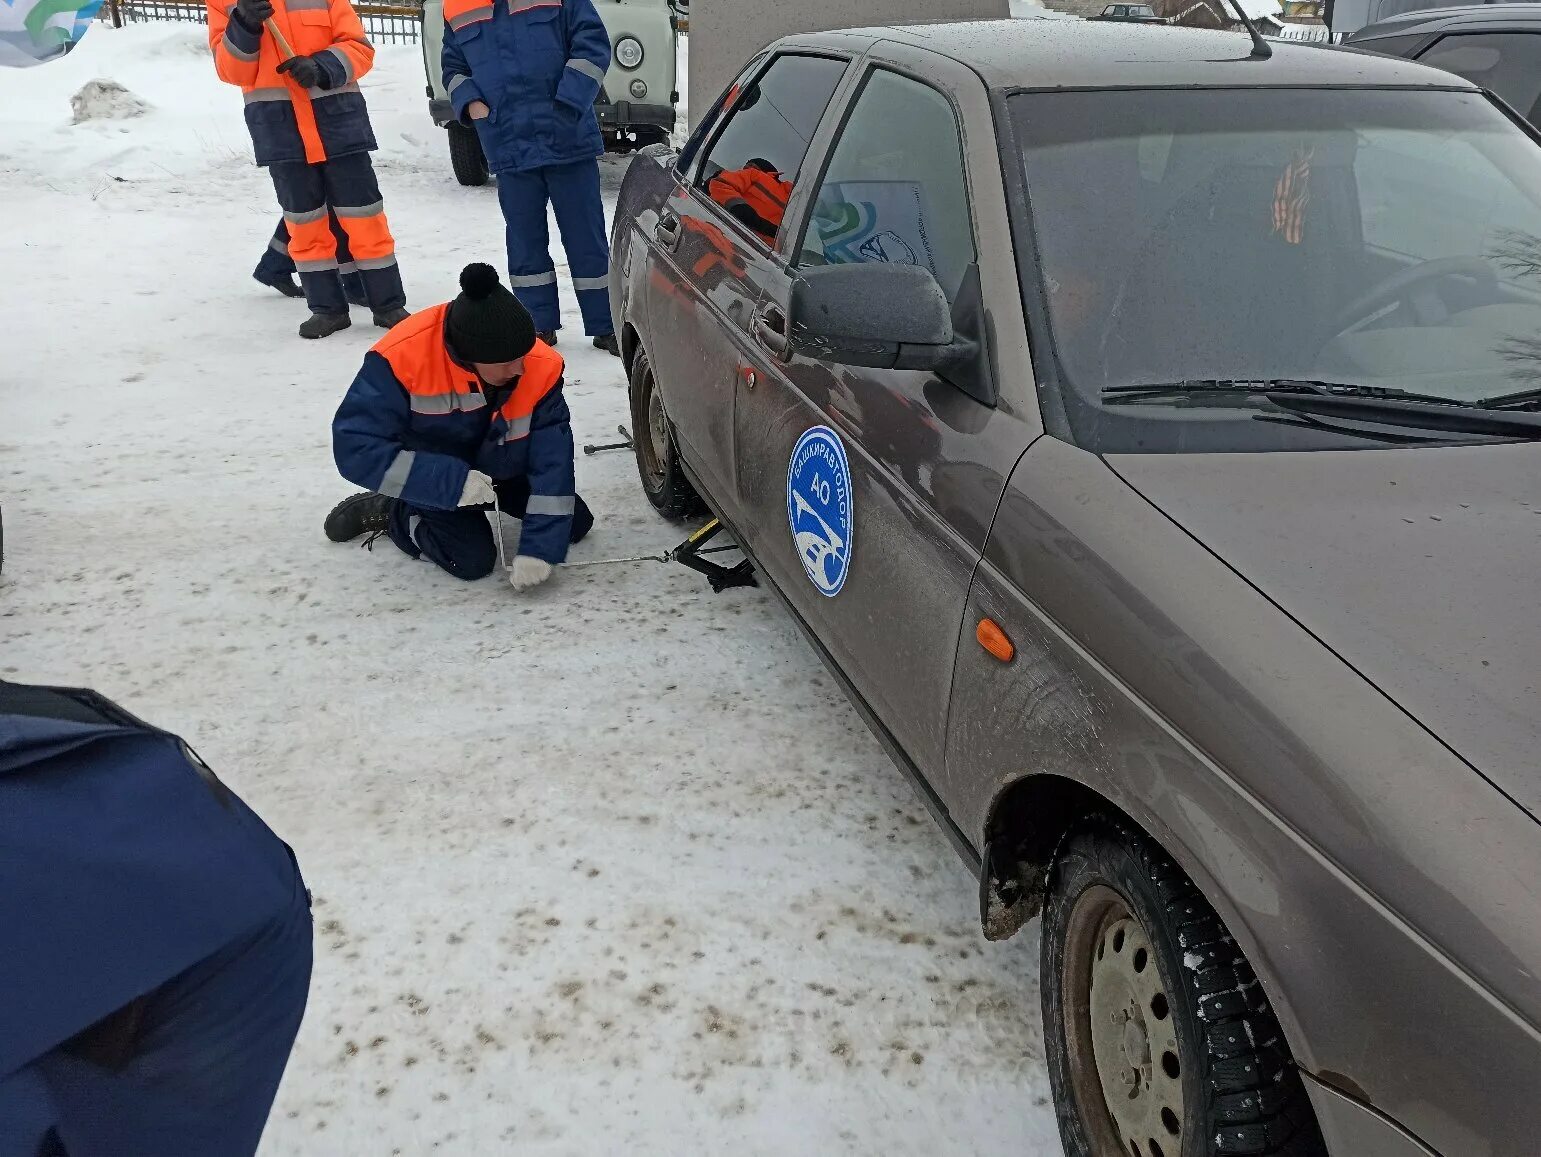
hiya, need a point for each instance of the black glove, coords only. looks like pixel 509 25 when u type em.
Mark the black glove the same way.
pixel 251 13
pixel 307 72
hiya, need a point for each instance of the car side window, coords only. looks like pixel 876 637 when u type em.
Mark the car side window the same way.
pixel 752 166
pixel 708 126
pixel 1392 45
pixel 894 188
pixel 1508 63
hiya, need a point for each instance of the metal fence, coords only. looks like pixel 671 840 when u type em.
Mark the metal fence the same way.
pixel 400 23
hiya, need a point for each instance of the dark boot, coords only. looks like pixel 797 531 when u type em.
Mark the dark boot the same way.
pixel 583 519
pixel 548 336
pixel 324 324
pixel 391 317
pixel 283 282
pixel 364 513
pixel 608 343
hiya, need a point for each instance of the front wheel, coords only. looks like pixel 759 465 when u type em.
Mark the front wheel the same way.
pixel 466 156
pixel 658 458
pixel 1161 1042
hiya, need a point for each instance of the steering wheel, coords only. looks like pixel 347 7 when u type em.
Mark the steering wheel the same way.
pixel 1416 287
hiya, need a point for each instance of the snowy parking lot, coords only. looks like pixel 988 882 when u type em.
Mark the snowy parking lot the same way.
pixel 613 868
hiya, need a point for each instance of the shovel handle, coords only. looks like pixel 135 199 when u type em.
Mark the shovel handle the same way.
pixel 284 51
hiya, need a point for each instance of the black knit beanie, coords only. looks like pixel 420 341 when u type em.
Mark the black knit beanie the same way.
pixel 486 322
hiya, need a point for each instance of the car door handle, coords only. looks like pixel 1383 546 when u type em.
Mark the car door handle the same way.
pixel 668 230
pixel 770 326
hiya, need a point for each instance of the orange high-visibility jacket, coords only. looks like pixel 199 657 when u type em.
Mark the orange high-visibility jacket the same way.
pixel 416 420
pixel 287 122
pixel 755 197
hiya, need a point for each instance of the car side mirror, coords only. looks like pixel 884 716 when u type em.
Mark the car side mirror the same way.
pixel 890 317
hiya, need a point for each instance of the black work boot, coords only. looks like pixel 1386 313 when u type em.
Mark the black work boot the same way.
pixel 548 336
pixel 364 513
pixel 283 282
pixel 324 324
pixel 608 343
pixel 391 317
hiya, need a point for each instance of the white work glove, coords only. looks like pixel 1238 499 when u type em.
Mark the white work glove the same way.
pixel 528 572
pixel 478 490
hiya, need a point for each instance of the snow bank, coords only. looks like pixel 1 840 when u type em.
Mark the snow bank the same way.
pixel 106 100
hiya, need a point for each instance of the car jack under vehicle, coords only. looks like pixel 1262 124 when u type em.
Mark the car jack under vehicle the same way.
pixel 688 553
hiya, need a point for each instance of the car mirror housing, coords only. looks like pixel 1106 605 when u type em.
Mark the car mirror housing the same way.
pixel 890 317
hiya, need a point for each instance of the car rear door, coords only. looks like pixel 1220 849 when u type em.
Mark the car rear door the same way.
pixel 709 266
pixel 868 494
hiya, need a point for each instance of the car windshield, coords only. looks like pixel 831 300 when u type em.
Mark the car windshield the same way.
pixel 1369 238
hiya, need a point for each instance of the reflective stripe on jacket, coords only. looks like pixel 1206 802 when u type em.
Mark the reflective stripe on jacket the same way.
pixel 287 122
pixel 416 421
pixel 538 65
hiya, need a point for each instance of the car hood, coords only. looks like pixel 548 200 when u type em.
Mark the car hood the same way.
pixel 1419 567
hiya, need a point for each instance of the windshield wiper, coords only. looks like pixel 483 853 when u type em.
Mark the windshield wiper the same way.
pixel 1412 413
pixel 1520 400
pixel 1352 402
pixel 1201 390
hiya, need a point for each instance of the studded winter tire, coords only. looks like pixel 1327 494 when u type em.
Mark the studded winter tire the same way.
pixel 1160 1039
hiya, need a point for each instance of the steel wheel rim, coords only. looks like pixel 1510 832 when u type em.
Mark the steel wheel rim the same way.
pixel 1125 1068
pixel 655 446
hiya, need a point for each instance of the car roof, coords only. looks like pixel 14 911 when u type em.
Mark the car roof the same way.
pixel 1467 16
pixel 1044 52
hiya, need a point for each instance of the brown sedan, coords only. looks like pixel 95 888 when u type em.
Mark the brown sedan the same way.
pixel 1145 431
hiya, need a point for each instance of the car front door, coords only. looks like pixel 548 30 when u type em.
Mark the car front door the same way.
pixel 868 494
pixel 712 253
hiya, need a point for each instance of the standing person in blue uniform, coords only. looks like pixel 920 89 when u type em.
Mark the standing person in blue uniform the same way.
pixel 524 74
pixel 157 941
pixel 456 413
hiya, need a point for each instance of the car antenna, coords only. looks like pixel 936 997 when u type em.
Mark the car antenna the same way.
pixel 1261 49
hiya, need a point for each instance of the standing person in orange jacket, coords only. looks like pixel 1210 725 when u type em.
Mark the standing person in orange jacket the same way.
pixel 310 129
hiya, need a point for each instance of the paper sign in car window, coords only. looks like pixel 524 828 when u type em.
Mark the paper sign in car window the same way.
pixel 865 221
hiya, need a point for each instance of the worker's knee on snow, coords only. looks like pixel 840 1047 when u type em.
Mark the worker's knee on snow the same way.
pixel 472 562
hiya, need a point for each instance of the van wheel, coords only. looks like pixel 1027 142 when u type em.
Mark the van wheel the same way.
pixel 658 458
pixel 1161 1042
pixel 465 154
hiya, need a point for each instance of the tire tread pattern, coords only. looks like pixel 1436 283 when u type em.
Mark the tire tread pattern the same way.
pixel 1255 1103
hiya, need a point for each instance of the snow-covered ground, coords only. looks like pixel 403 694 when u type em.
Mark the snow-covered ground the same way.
pixel 609 869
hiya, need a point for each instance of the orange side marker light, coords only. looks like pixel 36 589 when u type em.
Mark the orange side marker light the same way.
pixel 994 640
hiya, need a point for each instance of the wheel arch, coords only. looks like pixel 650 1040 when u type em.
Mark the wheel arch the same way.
pixel 631 345
pixel 1031 815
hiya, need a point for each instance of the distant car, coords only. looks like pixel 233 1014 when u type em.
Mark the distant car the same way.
pixel 1497 47
pixel 1145 435
pixel 1345 17
pixel 1130 14
pixel 636 105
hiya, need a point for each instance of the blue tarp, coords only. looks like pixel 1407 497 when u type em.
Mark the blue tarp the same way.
pixel 155 940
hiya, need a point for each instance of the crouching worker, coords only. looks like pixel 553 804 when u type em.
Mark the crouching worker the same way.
pixel 458 412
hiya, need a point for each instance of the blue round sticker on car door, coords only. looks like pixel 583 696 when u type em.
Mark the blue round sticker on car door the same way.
pixel 819 508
